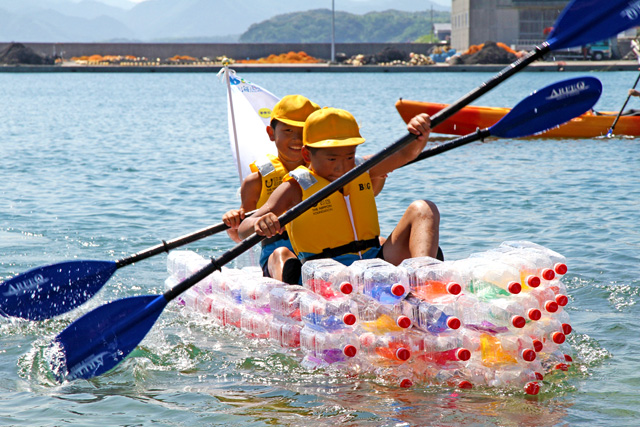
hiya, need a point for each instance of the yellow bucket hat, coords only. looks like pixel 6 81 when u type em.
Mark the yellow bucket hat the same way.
pixel 293 110
pixel 331 127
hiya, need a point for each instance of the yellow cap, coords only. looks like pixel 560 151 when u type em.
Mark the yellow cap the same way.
pixel 331 127
pixel 293 110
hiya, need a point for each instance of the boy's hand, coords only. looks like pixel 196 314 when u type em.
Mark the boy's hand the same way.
pixel 420 125
pixel 233 218
pixel 267 225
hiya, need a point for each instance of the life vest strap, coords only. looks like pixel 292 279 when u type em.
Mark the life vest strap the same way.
pixel 353 247
pixel 277 237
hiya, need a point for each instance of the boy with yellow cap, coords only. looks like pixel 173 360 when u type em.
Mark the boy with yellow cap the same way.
pixel 285 129
pixel 344 226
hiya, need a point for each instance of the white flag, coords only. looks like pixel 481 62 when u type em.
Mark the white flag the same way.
pixel 249 110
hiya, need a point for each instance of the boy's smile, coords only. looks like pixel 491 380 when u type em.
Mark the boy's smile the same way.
pixel 288 141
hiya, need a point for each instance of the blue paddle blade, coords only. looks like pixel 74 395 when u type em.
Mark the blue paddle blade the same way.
pixel 588 21
pixel 549 107
pixel 45 292
pixel 102 338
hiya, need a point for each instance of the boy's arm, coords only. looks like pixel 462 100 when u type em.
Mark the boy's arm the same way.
pixel 419 125
pixel 249 196
pixel 265 221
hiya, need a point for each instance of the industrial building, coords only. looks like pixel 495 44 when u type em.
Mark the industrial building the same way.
pixel 520 24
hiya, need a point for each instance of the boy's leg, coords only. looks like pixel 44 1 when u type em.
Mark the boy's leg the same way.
pixel 277 262
pixel 416 234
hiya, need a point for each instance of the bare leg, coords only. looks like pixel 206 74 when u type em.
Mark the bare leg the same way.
pixel 276 261
pixel 417 233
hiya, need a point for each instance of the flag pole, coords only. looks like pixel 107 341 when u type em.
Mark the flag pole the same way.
pixel 233 118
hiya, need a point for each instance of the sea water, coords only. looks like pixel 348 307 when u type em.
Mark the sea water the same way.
pixel 100 166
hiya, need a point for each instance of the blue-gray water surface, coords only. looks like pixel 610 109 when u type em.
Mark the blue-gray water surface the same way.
pixel 100 166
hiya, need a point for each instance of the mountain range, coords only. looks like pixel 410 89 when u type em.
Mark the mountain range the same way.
pixel 161 20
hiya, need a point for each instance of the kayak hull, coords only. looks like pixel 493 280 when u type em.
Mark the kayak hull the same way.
pixel 471 118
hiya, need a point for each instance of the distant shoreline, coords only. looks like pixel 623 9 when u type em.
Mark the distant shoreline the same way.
pixel 619 65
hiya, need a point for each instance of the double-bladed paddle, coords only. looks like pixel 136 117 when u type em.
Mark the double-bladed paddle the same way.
pixel 99 340
pixel 35 296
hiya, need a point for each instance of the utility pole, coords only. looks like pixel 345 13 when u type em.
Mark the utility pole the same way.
pixel 333 31
pixel 431 24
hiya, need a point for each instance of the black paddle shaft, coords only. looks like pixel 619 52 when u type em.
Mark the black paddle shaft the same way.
pixel 175 243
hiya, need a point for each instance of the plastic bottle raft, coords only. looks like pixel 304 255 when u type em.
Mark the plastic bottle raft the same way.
pixel 495 319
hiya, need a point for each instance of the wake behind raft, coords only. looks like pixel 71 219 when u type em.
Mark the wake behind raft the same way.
pixel 495 319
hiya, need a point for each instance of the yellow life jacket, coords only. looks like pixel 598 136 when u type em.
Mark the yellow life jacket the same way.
pixel 347 219
pixel 271 171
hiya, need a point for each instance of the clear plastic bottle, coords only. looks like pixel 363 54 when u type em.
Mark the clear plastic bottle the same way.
pixel 514 376
pixel 488 279
pixel 529 273
pixel 255 291
pixel 385 283
pixel 430 317
pixel 329 347
pixel 285 332
pixel 558 262
pixel 431 278
pixel 330 315
pixel 254 323
pixel 379 318
pixel 440 349
pixel 326 277
pixel 284 301
pixel 497 315
pixel 506 349
pixel 437 280
pixel 391 346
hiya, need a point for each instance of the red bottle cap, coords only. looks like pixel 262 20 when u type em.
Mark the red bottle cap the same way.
pixel 532 388
pixel 349 350
pixel 403 354
pixel 453 322
pixel 539 376
pixel 514 287
pixel 566 328
pixel 346 288
pixel 560 268
pixel 551 306
pixel 454 288
pixel 562 300
pixel 463 354
pixel 533 281
pixel 465 384
pixel 406 383
pixel 562 367
pixel 349 319
pixel 548 274
pixel 557 337
pixel 397 289
pixel 518 321
pixel 404 322
pixel 534 314
pixel 528 355
pixel 568 358
pixel 537 345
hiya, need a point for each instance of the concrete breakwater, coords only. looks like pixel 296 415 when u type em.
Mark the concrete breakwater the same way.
pixel 213 50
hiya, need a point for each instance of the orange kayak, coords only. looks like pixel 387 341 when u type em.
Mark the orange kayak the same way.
pixel 470 118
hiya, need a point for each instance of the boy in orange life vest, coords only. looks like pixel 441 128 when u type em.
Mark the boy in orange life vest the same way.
pixel 344 226
pixel 287 119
